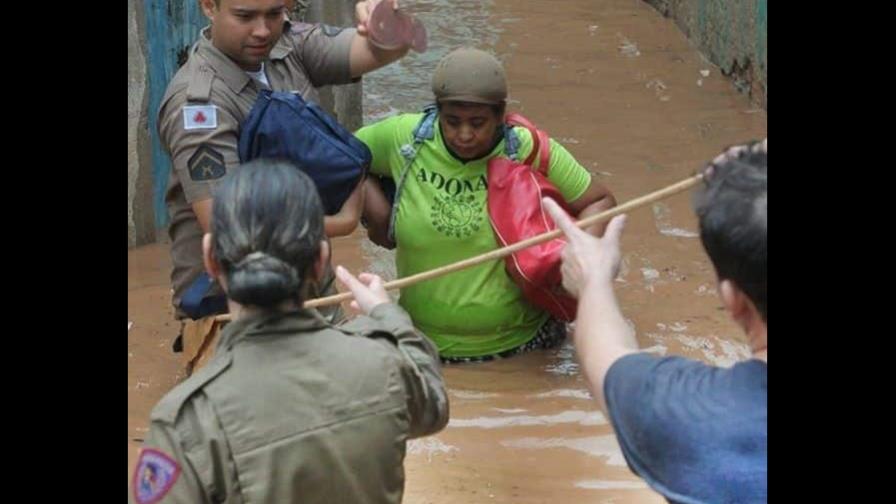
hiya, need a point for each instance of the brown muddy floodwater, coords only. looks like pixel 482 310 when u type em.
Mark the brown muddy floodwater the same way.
pixel 622 89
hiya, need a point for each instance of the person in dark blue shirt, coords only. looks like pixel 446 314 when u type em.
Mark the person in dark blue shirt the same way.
pixel 695 433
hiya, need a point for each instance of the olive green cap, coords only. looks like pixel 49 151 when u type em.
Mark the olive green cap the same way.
pixel 470 75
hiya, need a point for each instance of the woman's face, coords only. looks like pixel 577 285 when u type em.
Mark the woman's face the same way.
pixel 469 128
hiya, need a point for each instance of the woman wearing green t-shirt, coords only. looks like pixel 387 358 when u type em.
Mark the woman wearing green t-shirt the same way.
pixel 442 217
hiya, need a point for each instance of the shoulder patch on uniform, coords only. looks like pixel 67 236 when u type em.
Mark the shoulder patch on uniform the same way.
pixel 200 117
pixel 206 164
pixel 331 31
pixel 155 475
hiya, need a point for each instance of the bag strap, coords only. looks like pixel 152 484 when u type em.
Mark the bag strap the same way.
pixel 425 130
pixel 541 144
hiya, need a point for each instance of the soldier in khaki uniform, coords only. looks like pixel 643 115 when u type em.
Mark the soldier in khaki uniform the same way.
pixel 249 44
pixel 290 408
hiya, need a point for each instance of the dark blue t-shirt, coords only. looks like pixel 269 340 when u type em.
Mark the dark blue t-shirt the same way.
pixel 695 433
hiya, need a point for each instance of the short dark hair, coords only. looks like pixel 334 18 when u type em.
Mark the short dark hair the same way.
pixel 733 211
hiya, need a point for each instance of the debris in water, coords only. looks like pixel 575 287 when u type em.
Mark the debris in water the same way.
pixel 656 83
pixel 628 48
pixel 650 274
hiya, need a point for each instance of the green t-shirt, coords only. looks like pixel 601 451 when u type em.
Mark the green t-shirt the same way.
pixel 443 218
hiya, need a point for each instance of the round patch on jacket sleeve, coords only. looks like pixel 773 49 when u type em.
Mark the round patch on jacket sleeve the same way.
pixel 155 475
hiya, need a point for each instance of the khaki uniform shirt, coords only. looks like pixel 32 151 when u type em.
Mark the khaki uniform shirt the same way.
pixel 292 409
pixel 200 117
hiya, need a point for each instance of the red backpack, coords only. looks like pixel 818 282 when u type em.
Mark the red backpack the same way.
pixel 514 206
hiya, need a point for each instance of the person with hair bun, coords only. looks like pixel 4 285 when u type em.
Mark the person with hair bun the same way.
pixel 290 408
